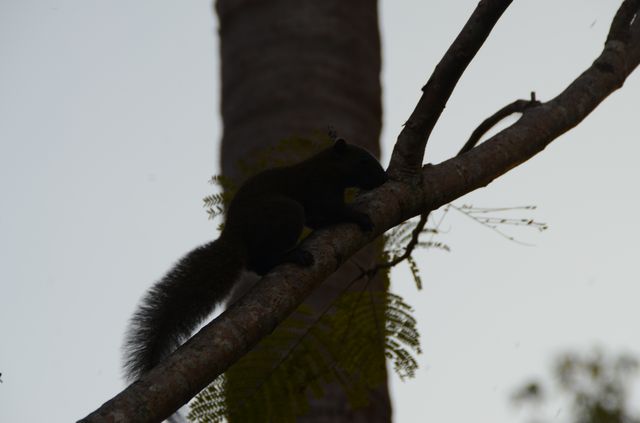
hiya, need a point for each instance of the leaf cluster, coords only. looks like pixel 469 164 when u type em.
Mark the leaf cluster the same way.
pixel 595 385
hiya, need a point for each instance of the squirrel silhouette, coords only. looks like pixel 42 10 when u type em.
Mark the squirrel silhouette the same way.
pixel 263 224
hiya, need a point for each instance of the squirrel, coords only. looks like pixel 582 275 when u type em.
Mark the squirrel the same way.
pixel 263 224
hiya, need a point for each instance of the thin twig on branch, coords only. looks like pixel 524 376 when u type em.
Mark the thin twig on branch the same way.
pixel 408 249
pixel 518 106
pixel 408 152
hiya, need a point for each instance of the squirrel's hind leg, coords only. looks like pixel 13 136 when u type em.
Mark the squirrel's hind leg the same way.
pixel 274 234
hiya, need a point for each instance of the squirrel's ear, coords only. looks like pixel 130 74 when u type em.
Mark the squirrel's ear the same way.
pixel 340 145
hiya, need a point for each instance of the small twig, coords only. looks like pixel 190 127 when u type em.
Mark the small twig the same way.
pixel 490 220
pixel 436 229
pixel 513 222
pixel 415 235
pixel 518 106
pixel 487 225
pixel 478 210
pixel 411 245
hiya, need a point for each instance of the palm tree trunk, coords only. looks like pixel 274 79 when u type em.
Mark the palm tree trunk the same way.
pixel 291 68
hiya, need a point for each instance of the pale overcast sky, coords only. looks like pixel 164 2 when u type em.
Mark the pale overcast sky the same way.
pixel 109 130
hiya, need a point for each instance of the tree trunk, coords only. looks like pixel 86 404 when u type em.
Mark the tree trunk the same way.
pixel 291 68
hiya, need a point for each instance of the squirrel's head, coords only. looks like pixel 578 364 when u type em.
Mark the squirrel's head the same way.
pixel 361 169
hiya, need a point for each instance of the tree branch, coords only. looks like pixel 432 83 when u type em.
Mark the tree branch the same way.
pixel 408 151
pixel 223 341
pixel 538 126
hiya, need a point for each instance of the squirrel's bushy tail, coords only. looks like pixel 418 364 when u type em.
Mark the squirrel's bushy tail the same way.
pixel 178 303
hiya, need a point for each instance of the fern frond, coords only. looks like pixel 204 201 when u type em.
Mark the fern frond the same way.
pixel 217 203
pixel 436 245
pixel 415 272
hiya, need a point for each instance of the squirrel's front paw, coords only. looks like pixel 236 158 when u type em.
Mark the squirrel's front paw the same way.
pixel 363 221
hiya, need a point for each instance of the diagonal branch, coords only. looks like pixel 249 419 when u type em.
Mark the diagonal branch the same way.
pixel 408 152
pixel 223 341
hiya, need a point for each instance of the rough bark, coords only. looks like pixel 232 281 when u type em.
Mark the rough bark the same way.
pixel 224 340
pixel 291 68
